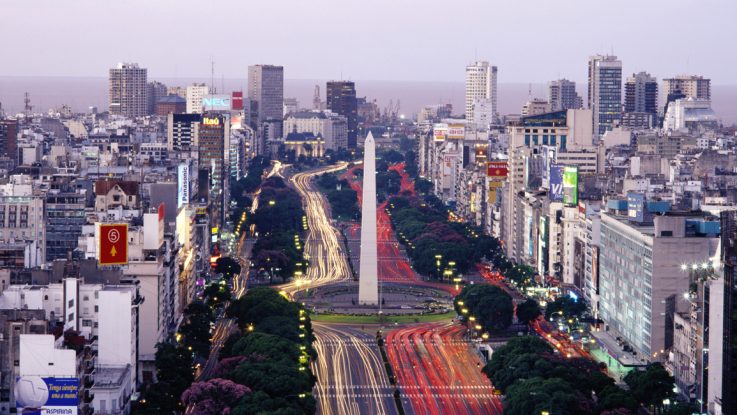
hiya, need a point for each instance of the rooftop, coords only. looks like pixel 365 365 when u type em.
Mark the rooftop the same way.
pixel 110 377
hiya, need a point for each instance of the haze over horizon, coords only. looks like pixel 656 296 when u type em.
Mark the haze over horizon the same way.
pixel 522 40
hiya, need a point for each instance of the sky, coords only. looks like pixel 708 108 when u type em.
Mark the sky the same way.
pixel 408 40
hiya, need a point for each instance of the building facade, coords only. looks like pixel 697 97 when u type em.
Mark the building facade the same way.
pixel 641 94
pixel 481 84
pixel 128 90
pixel 266 91
pixel 562 95
pixel 605 92
pixel 341 99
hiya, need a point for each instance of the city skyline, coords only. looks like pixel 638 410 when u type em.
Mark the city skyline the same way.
pixel 380 54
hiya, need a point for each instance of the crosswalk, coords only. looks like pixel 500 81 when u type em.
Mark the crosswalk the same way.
pixel 388 386
pixel 402 343
pixel 409 395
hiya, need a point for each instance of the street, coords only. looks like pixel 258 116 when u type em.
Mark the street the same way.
pixel 350 374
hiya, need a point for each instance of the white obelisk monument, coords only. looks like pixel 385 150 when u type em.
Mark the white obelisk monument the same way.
pixel 368 289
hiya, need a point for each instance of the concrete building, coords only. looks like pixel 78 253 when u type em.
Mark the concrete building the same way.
pixel 155 92
pixel 341 99
pixel 481 84
pixel 127 90
pixel 605 92
pixel 266 90
pixel 65 217
pixel 562 95
pixel 9 139
pixel 170 104
pixel 194 95
pixel 290 105
pixel 640 276
pixel 691 86
pixel 536 106
pixel 690 114
pixel 332 127
pixel 214 141
pixel 182 131
pixel 641 94
pixel 21 225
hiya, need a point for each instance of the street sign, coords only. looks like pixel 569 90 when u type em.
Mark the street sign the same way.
pixel 113 244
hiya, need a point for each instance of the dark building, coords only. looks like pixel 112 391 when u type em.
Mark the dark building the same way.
pixel 155 92
pixel 171 104
pixel 727 391
pixel 341 97
pixel 64 221
pixel 641 94
pixel 9 138
pixel 213 136
pixel 182 131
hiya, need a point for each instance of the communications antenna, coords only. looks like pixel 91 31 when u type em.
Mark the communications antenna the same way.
pixel 212 76
pixel 27 104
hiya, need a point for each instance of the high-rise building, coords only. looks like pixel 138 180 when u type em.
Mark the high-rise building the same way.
pixel 605 92
pixel 182 131
pixel 128 90
pixel 156 91
pixel 266 90
pixel 9 138
pixel 722 383
pixel 562 95
pixel 213 141
pixel 195 93
pixel 692 86
pixel 641 94
pixel 480 85
pixel 65 217
pixel 341 99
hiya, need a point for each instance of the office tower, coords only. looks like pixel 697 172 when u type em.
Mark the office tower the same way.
pixel 692 86
pixel 9 138
pixel 341 99
pixel 368 289
pixel 605 92
pixel 195 93
pixel 722 382
pixel 562 95
pixel 213 140
pixel 182 131
pixel 480 85
pixel 266 90
pixel 156 91
pixel 127 90
pixel 641 94
pixel 65 217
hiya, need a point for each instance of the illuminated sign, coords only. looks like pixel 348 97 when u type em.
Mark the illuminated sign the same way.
pixel 38 395
pixel 556 183
pixel 456 132
pixel 211 121
pixel 440 131
pixel 217 102
pixel 570 185
pixel 497 169
pixel 182 185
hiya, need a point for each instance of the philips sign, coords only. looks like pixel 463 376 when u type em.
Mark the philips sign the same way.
pixel 217 102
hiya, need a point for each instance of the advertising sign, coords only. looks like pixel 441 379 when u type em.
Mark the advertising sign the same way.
pixel 214 122
pixel 182 185
pixel 570 185
pixel 35 395
pixel 113 244
pixel 636 207
pixel 548 159
pixel 556 183
pixel 542 244
pixel 237 101
pixel 595 267
pixel 439 131
pixel 497 169
pixel 218 102
pixel 456 132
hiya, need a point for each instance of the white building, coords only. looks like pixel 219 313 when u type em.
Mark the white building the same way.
pixel 195 93
pixel 21 223
pixel 689 114
pixel 332 127
pixel 481 81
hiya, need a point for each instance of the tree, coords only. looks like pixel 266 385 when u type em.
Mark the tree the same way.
pixel 227 266
pixel 528 311
pixel 568 306
pixel 490 305
pixel 613 397
pixel 538 395
pixel 393 157
pixel 651 386
pixel 213 397
pixel 173 375
pixel 195 329
pixel 514 347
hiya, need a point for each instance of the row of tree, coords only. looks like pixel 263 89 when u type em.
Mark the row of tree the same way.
pixel 535 378
pixel 280 221
pixel 433 242
pixel 342 198
pixel 490 306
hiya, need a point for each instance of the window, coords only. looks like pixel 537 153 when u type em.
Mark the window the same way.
pixel 86 323
pixel 70 317
pixel 96 309
pixel 70 303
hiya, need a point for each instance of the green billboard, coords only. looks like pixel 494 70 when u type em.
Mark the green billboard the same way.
pixel 570 185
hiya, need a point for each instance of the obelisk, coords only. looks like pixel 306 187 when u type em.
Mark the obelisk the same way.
pixel 368 289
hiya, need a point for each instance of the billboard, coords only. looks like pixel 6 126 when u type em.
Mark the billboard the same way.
pixel 497 169
pixel 35 395
pixel 456 132
pixel 219 102
pixel 542 246
pixel 570 185
pixel 548 159
pixel 636 207
pixel 556 183
pixel 183 185
pixel 113 244
pixel 439 131
pixel 211 121
pixel 237 101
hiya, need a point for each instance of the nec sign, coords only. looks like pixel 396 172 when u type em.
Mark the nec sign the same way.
pixel 217 102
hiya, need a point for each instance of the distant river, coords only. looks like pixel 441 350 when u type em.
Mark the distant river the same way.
pixel 81 93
